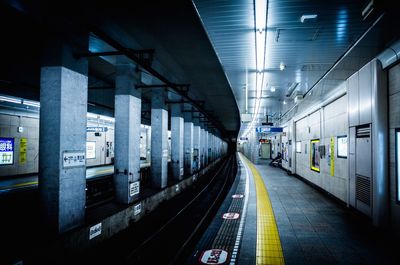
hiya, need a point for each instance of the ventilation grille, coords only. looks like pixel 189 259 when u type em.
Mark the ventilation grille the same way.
pixel 364 131
pixel 363 189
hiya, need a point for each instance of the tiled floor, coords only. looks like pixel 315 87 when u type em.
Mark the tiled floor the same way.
pixel 314 229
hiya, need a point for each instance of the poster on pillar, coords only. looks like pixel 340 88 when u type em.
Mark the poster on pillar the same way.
pixel 22 150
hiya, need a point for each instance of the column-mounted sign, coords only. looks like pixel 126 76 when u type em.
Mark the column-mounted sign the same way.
pixel 23 142
pixel 137 209
pixel 95 231
pixel 134 188
pixel 74 159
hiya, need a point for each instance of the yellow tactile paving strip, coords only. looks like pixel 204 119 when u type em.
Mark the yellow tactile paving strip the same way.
pixel 268 249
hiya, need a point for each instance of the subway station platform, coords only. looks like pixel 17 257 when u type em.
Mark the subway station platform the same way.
pixel 270 217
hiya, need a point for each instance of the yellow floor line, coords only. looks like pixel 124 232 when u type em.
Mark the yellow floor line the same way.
pixel 269 249
pixel 20 185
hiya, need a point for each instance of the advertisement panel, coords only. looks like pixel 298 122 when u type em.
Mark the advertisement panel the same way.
pixel 342 146
pixel 6 151
pixel 314 155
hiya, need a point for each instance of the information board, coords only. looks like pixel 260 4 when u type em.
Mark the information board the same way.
pixel 90 150
pixel 6 151
pixel 342 146
pixel 298 147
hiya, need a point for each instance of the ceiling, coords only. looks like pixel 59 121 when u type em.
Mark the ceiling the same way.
pixel 311 51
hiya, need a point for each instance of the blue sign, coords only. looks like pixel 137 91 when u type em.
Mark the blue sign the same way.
pixel 6 151
pixel 269 129
pixel 96 129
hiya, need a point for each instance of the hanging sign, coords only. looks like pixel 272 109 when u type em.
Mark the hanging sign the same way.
pixel 268 129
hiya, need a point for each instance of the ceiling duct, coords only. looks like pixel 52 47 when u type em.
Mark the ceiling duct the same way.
pixel 390 56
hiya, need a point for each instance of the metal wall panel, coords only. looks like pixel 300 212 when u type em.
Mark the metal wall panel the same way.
pixel 365 94
pixel 352 167
pixel 352 88
pixel 363 157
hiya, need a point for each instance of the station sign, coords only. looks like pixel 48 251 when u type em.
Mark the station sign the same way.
pixel 6 151
pixel 214 256
pixel 265 129
pixel 137 209
pixel 74 159
pixel 237 196
pixel 96 129
pixel 230 216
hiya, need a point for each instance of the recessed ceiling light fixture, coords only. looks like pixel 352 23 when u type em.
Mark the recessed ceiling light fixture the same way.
pixel 310 17
pixel 282 66
pixel 273 89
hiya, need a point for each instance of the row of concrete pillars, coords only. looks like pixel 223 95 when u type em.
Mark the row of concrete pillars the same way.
pixel 62 157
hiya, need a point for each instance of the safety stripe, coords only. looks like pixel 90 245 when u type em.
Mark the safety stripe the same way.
pixel 268 248
pixel 20 185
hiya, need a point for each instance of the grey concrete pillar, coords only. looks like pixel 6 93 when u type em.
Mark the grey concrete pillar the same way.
pixel 206 147
pixel 127 134
pixel 196 147
pixel 188 144
pixel 62 145
pixel 203 144
pixel 177 136
pixel 159 139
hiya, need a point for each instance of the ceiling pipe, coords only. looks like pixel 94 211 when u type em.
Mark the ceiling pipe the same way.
pixel 131 55
pixel 390 56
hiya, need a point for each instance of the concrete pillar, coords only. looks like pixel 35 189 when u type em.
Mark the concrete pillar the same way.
pixel 159 139
pixel 128 105
pixel 188 144
pixel 148 144
pixel 62 145
pixel 177 136
pixel 205 147
pixel 209 151
pixel 196 147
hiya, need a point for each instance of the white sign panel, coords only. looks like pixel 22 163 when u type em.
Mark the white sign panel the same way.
pixel 342 146
pixel 95 231
pixel 165 153
pixel 90 150
pixel 181 171
pixel 74 159
pixel 214 256
pixel 134 188
pixel 137 209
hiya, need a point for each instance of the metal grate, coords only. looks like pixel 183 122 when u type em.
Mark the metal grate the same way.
pixel 363 189
pixel 364 131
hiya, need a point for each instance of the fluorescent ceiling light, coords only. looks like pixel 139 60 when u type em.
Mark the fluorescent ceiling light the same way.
pixel 284 102
pixel 31 103
pixel 272 89
pixel 282 66
pixel 306 17
pixel 10 99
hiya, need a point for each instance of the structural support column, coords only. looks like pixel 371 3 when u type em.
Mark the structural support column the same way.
pixel 177 141
pixel 196 146
pixel 188 143
pixel 62 143
pixel 128 105
pixel 159 139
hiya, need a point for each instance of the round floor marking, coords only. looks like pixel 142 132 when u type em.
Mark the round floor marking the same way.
pixel 231 216
pixel 237 196
pixel 214 256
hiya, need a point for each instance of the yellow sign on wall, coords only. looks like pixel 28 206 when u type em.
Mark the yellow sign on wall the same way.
pixel 22 150
pixel 332 156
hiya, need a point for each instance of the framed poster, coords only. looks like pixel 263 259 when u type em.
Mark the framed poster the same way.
pixel 342 146
pixel 314 155
pixel 6 151
pixel 90 150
